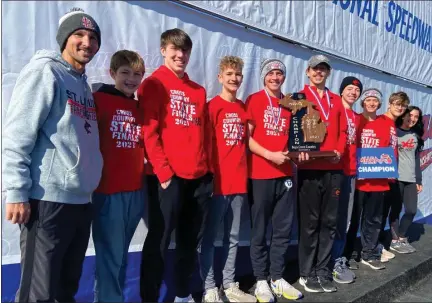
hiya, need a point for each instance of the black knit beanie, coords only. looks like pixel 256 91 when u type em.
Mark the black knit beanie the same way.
pixel 350 81
pixel 74 20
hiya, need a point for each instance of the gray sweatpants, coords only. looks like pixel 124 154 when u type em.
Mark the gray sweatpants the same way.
pixel 53 245
pixel 226 210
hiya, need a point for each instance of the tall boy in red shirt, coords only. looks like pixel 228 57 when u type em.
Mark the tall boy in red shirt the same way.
pixel 177 138
pixel 272 188
pixel 350 91
pixel 229 120
pixel 120 198
pixel 320 183
pixel 373 131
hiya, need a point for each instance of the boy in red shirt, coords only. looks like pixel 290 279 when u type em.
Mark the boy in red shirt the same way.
pixel 373 131
pixel 350 91
pixel 229 125
pixel 319 184
pixel 177 137
pixel 271 189
pixel 120 198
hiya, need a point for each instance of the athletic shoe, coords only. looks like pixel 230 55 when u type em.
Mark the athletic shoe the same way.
pixel 283 288
pixel 327 284
pixel 398 247
pixel 352 264
pixel 311 284
pixel 341 273
pixel 375 264
pixel 408 246
pixel 234 294
pixel 187 299
pixel 383 259
pixel 345 264
pixel 263 292
pixel 387 254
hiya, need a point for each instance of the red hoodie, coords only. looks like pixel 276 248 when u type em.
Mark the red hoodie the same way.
pixel 120 134
pixel 332 113
pixel 271 131
pixel 375 133
pixel 177 132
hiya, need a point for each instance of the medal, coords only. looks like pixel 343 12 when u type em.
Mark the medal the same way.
pixel 326 115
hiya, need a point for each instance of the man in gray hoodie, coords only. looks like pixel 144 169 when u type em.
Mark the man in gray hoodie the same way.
pixel 52 163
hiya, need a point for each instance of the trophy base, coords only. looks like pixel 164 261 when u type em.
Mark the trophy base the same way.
pixel 313 154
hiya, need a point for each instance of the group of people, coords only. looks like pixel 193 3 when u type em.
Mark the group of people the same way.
pixel 75 161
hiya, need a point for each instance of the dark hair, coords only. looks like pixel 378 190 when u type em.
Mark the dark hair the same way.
pixel 418 128
pixel 177 37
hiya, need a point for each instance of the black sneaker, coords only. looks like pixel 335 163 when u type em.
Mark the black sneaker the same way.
pixel 375 264
pixel 352 264
pixel 311 284
pixel 327 284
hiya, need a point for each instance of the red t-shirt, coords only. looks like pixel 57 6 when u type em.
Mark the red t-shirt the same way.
pixel 349 158
pixel 271 131
pixel 120 135
pixel 332 113
pixel 229 122
pixel 375 133
pixel 177 134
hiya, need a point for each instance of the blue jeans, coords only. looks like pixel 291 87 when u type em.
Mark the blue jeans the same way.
pixel 345 207
pixel 226 209
pixel 116 219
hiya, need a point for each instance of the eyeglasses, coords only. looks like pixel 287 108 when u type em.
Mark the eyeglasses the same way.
pixel 400 105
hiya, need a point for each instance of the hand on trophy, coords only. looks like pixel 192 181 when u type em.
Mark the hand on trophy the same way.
pixel 277 158
pixel 337 158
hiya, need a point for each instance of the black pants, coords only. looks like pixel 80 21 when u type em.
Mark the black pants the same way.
pixel 401 193
pixel 273 201
pixel 182 206
pixel 318 205
pixel 367 211
pixel 53 245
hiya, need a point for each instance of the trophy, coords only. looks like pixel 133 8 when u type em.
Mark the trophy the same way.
pixel 307 130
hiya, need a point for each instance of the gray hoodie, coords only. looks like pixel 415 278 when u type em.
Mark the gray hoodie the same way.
pixel 50 135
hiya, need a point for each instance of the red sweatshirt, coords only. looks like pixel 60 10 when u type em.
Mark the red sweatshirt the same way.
pixel 229 122
pixel 271 132
pixel 120 134
pixel 375 133
pixel 349 158
pixel 332 113
pixel 393 138
pixel 177 132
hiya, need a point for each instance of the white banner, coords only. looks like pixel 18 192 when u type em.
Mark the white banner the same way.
pixel 30 26
pixel 392 36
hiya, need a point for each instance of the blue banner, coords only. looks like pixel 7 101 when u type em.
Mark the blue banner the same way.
pixel 376 163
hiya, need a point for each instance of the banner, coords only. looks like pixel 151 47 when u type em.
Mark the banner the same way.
pixel 376 163
pixel 392 36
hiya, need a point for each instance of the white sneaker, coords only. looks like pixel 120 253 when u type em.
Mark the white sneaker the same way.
pixel 283 288
pixel 212 295
pixel 234 294
pixel 388 255
pixel 187 299
pixel 263 292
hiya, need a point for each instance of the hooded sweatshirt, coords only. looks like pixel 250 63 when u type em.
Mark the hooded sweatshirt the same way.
pixel 332 113
pixel 121 142
pixel 50 136
pixel 177 131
